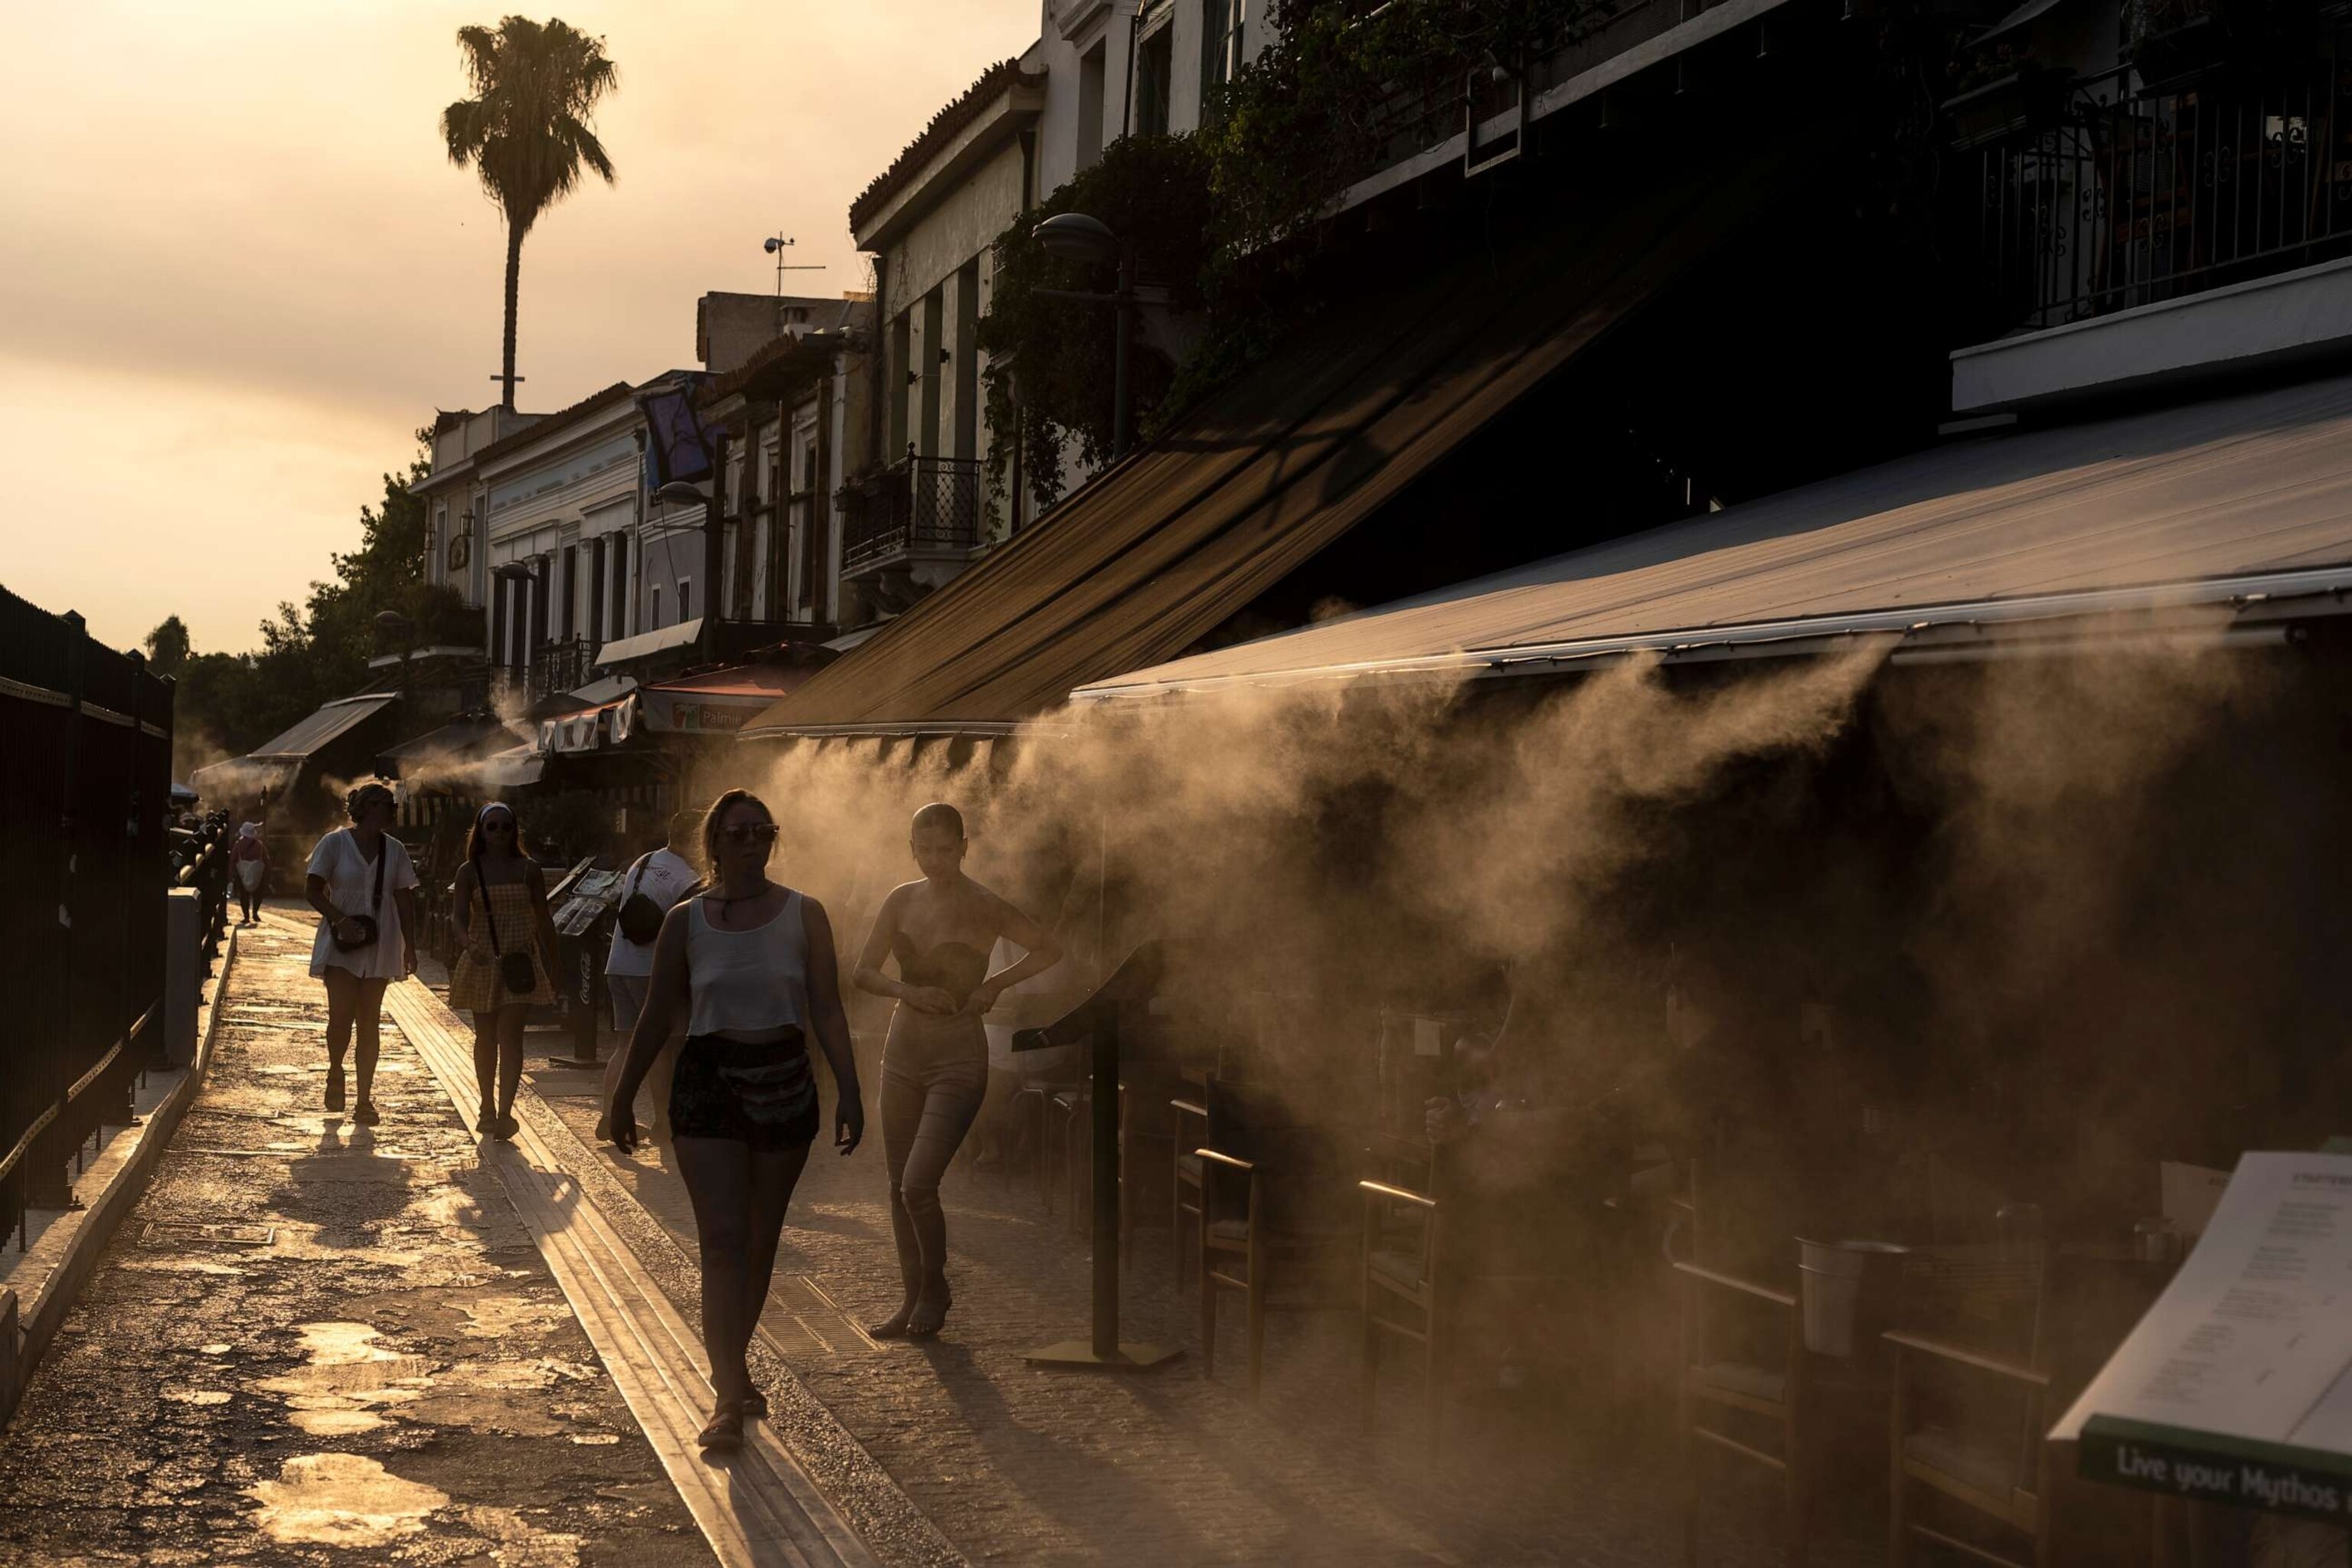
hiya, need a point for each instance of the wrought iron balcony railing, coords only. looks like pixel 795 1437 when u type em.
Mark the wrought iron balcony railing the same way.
pixel 563 666
pixel 921 505
pixel 2135 197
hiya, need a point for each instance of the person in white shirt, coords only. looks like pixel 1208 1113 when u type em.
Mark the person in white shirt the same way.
pixel 665 876
pixel 363 887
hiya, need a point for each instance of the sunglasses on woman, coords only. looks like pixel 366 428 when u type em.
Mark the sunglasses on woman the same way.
pixel 498 824
pixel 749 833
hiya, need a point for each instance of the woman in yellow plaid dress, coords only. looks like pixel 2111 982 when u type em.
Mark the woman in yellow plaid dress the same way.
pixel 499 874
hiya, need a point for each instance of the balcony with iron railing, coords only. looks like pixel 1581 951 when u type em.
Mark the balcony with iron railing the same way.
pixel 2124 197
pixel 1481 118
pixel 2130 236
pixel 917 509
pixel 564 664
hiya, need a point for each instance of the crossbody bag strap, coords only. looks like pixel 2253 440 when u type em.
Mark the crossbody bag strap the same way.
pixel 490 915
pixel 376 905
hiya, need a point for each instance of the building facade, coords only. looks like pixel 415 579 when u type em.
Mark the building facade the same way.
pixel 780 415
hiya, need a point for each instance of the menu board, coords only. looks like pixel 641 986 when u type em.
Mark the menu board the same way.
pixel 2233 1388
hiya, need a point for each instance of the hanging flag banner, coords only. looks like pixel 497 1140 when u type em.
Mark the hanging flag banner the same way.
pixel 676 447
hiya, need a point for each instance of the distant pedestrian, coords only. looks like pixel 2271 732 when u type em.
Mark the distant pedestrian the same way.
pixel 657 880
pixel 360 882
pixel 941 931
pixel 752 964
pixel 504 967
pixel 250 859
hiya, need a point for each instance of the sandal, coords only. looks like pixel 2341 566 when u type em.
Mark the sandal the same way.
pixel 335 1086
pixel 363 1114
pixel 724 1430
pixel 508 1126
pixel 893 1327
pixel 485 1120
pixel 930 1314
pixel 755 1405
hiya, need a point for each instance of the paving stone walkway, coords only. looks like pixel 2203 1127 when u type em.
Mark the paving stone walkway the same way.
pixel 1015 1464
pixel 312 1342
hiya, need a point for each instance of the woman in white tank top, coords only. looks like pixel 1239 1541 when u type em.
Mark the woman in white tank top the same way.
pixel 753 963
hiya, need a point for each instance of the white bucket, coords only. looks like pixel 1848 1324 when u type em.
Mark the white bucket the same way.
pixel 1829 1289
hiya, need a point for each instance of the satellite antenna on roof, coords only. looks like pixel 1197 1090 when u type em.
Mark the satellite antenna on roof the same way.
pixel 776 245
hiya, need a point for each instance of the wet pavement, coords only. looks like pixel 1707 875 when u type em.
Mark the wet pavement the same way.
pixel 1014 1464
pixel 313 1342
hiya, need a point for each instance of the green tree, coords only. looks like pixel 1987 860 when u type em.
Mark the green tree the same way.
pixel 167 647
pixel 529 128
pixel 1049 370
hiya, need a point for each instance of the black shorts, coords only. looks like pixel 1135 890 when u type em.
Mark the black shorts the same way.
pixel 762 1095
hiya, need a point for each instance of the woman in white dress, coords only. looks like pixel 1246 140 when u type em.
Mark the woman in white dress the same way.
pixel 360 882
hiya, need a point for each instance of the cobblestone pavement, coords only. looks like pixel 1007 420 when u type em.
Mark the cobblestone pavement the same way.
pixel 1016 1464
pixel 311 1343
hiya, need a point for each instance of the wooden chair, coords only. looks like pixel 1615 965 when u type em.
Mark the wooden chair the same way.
pixel 1028 1116
pixel 1996 1470
pixel 1767 1391
pixel 1226 1238
pixel 1490 1222
pixel 1147 1124
pixel 1059 1110
pixel 1191 1130
pixel 1401 1279
pixel 1260 1209
pixel 1070 1112
pixel 1991 1462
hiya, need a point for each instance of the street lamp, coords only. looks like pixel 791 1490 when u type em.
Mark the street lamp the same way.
pixel 685 492
pixel 1075 237
pixel 391 626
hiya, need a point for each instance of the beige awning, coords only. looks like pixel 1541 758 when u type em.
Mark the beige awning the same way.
pixel 2240 505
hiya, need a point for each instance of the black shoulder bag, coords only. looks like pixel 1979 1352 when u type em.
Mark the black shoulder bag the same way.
pixel 515 971
pixel 366 923
pixel 640 917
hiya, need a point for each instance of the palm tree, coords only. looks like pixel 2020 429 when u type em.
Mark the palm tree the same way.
pixel 528 128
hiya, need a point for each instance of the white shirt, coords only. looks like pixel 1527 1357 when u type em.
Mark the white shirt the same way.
pixel 663 877
pixel 350 882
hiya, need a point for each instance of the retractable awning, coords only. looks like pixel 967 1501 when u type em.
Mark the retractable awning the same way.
pixel 329 723
pixel 718 700
pixel 1170 543
pixel 511 768
pixel 580 730
pixel 274 765
pixel 620 650
pixel 459 742
pixel 2238 507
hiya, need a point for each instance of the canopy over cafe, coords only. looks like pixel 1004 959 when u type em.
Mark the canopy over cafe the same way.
pixel 1969 904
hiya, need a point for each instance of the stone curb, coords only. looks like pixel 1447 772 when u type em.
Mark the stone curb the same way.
pixel 27 1330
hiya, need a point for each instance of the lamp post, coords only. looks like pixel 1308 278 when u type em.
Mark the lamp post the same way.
pixel 397 630
pixel 1077 237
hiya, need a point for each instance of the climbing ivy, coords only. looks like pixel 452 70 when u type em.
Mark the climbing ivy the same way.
pixel 1223 219
pixel 1049 370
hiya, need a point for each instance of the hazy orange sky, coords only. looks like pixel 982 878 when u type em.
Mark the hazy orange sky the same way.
pixel 236 269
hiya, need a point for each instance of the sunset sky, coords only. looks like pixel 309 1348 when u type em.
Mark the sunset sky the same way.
pixel 236 269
